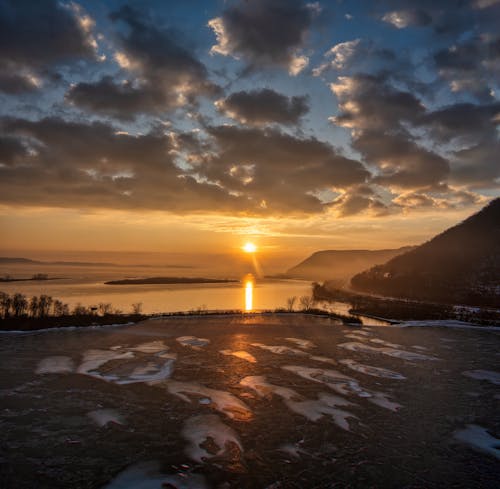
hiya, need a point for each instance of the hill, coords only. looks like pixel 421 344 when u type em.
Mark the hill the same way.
pixel 459 266
pixel 340 264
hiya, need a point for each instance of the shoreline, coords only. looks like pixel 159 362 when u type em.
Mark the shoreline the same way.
pixel 95 322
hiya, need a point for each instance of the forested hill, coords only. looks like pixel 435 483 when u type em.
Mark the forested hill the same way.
pixel 460 265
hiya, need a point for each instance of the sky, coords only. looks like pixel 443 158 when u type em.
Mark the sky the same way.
pixel 195 126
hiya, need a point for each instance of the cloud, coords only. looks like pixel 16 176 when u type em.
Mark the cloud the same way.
pixel 265 32
pixel 360 199
pixel 260 107
pixel 405 18
pixel 471 66
pixel 38 36
pixel 378 116
pixel 53 162
pixel 276 171
pixel 163 74
pixel 369 102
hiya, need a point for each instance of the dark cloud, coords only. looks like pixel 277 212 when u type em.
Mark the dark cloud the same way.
pixel 276 171
pixel 359 199
pixel 378 116
pixel 472 66
pixel 400 161
pixel 54 162
pixel 259 107
pixel 35 36
pixel 370 102
pixel 467 122
pixel 265 32
pixel 164 74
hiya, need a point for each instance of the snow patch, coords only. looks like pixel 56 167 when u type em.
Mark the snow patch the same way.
pixel 193 341
pixel 489 375
pixel 279 349
pixel 147 475
pixel 479 439
pixel 209 437
pixel 392 352
pixel 101 417
pixel 55 365
pixel 150 347
pixel 301 343
pixel 369 370
pixel 221 401
pixel 243 355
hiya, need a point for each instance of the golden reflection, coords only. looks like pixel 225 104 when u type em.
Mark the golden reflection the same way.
pixel 249 284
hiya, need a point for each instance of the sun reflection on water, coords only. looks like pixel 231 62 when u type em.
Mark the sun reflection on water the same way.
pixel 249 284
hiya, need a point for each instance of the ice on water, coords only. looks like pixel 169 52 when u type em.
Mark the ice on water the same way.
pixel 479 439
pixel 208 437
pixel 370 370
pixel 55 365
pixel 385 350
pixel 279 349
pixel 301 343
pixel 192 341
pixel 243 355
pixel 147 475
pixel 489 375
pixel 222 401
pixel 101 417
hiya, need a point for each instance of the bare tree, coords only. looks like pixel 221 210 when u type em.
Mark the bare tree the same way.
pixel 59 308
pixel 33 306
pixel 137 307
pixel 290 303
pixel 80 310
pixel 44 303
pixel 19 304
pixel 5 303
pixel 105 308
pixel 306 302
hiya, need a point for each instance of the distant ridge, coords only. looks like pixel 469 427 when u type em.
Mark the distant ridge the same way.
pixel 28 261
pixel 460 265
pixel 340 264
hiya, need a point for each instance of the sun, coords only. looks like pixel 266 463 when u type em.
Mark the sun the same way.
pixel 249 248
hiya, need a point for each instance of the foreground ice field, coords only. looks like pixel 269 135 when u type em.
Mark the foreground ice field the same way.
pixel 256 401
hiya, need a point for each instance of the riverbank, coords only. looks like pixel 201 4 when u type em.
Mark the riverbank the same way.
pixel 396 310
pixel 88 320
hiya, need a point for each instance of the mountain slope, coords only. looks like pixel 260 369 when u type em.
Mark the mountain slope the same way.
pixel 460 265
pixel 340 264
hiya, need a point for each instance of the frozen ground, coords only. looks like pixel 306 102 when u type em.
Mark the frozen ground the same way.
pixel 261 401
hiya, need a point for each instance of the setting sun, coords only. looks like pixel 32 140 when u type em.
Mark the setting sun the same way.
pixel 249 248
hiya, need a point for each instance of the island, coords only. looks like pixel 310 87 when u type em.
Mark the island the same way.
pixel 169 280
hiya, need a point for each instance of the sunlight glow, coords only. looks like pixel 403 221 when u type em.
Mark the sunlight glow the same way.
pixel 249 248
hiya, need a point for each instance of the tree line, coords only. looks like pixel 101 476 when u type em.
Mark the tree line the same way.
pixel 19 305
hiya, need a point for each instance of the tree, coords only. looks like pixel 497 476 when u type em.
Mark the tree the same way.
pixel 33 307
pixel 44 303
pixel 80 310
pixel 290 303
pixel 59 308
pixel 137 307
pixel 306 301
pixel 19 304
pixel 105 308
pixel 5 302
